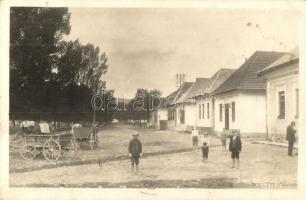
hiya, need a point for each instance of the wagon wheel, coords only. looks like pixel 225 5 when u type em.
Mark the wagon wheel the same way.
pixel 52 150
pixel 27 152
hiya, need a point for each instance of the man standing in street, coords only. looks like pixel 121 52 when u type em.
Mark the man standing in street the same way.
pixel 290 137
pixel 135 151
pixel 235 148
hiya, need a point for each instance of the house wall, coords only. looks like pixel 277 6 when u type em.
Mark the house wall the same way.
pixel 157 115
pixel 189 117
pixel 171 117
pixel 204 123
pixel 284 79
pixel 190 114
pixel 162 114
pixel 250 112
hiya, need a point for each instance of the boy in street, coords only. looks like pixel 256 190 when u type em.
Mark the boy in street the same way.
pixel 223 140
pixel 135 151
pixel 205 150
pixel 290 136
pixel 235 148
pixel 195 138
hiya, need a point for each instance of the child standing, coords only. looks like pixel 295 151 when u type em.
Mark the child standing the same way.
pixel 195 138
pixel 205 150
pixel 135 151
pixel 223 140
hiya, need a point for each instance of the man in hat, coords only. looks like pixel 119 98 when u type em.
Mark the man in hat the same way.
pixel 135 150
pixel 290 137
pixel 235 147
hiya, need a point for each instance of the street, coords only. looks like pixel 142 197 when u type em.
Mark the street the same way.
pixel 261 166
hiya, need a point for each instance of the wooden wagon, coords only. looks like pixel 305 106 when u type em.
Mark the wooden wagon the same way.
pixel 85 134
pixel 51 145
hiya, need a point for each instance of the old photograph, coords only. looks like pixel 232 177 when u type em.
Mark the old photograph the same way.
pixel 109 97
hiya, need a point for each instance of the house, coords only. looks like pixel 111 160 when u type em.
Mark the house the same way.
pixel 176 112
pixel 282 93
pixel 185 105
pixel 204 106
pixel 159 116
pixel 240 101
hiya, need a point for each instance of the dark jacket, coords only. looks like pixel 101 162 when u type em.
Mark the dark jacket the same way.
pixel 205 150
pixel 290 134
pixel 235 145
pixel 135 147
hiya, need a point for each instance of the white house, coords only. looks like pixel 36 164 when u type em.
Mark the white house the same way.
pixel 159 118
pixel 159 115
pixel 176 112
pixel 205 106
pixel 186 105
pixel 240 101
pixel 282 93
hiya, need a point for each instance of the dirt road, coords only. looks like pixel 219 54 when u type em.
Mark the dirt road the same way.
pixel 261 166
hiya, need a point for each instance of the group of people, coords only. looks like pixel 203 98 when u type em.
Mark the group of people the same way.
pixel 234 145
pixel 135 147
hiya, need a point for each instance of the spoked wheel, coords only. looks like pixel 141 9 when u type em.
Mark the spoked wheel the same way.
pixel 52 150
pixel 27 152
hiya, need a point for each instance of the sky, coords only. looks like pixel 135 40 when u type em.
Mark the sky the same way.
pixel 147 47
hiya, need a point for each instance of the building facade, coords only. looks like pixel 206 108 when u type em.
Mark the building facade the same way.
pixel 240 102
pixel 178 110
pixel 282 93
pixel 205 105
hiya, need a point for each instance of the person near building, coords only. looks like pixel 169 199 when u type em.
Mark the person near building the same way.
pixel 195 138
pixel 290 136
pixel 235 148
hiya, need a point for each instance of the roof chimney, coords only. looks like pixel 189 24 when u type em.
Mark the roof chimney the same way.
pixel 180 79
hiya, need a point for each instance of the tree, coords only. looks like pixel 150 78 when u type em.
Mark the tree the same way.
pixel 82 64
pixel 37 48
pixel 35 34
pixel 143 103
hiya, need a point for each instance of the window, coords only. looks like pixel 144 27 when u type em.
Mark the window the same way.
pixel 203 110
pixel 207 110
pixel 233 111
pixel 220 112
pixel 281 104
pixel 296 103
pixel 199 111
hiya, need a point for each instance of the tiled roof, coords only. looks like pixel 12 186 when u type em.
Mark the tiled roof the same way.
pixel 174 96
pixel 246 76
pixel 289 57
pixel 193 90
pixel 215 81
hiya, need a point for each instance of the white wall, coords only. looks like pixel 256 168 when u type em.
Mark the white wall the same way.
pixel 286 80
pixel 162 114
pixel 250 114
pixel 189 110
pixel 200 121
pixel 189 114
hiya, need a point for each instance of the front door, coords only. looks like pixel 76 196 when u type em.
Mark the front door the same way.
pixel 226 117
